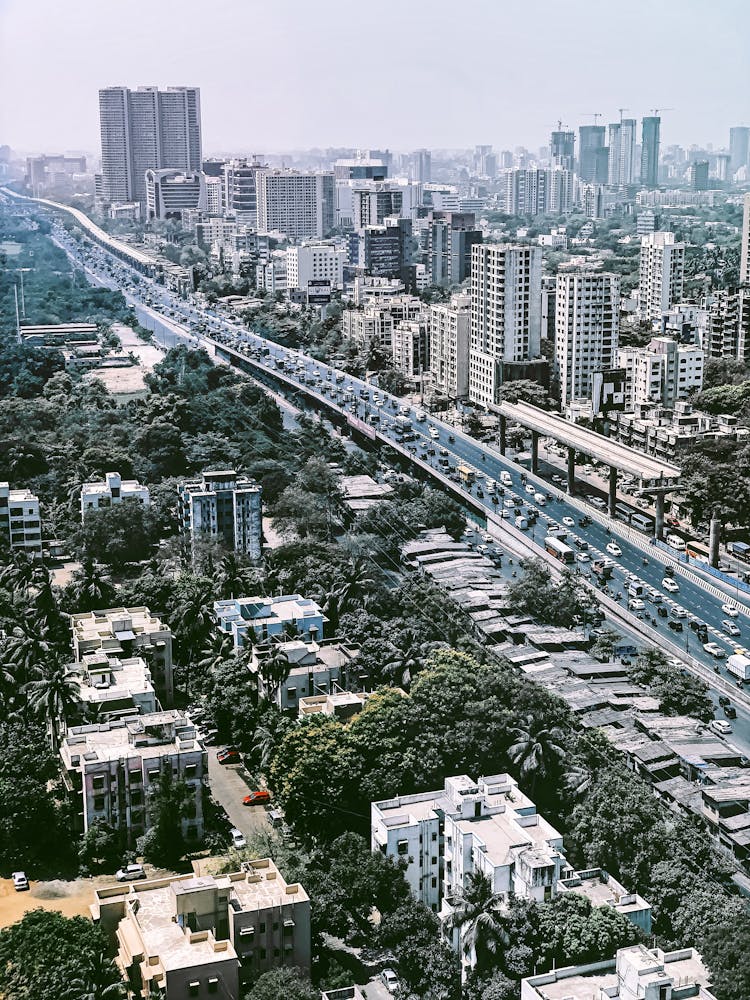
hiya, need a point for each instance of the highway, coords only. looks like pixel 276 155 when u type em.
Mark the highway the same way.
pixel 374 412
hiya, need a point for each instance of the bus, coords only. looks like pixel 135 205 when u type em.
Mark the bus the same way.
pixel 642 522
pixel 697 550
pixel 559 550
pixel 466 474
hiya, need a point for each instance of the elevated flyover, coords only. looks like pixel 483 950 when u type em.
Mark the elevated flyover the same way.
pixel 654 475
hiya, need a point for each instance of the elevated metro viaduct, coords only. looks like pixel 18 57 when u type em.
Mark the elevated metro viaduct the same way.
pixel 654 475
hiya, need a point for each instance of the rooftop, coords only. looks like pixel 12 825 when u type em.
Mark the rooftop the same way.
pixel 145 736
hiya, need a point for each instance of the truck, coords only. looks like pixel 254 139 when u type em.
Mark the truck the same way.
pixel 602 568
pixel 466 474
pixel 739 666
pixel 401 424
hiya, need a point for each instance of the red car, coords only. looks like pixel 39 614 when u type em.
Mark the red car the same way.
pixel 228 756
pixel 258 798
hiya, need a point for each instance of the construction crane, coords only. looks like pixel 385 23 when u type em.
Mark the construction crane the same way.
pixel 596 115
pixel 655 111
pixel 621 111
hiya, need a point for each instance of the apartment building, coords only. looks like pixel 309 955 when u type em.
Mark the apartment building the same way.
pixel 667 432
pixel 300 205
pixel 120 634
pixel 450 335
pixel 20 521
pixel 114 490
pixel 314 669
pixel 451 235
pixel 506 292
pixel 109 767
pixel 587 325
pixel 602 889
pixel 637 973
pixel 410 347
pixel 664 372
pixel 223 506
pixel 205 935
pixel 252 620
pixel 315 262
pixel 661 275
pixel 372 324
pixel 115 688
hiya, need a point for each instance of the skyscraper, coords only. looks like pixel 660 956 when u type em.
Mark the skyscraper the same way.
pixel 562 149
pixel 745 251
pixel 699 175
pixel 301 205
pixel 651 128
pixel 739 147
pixel 622 136
pixel 662 271
pixel 451 237
pixel 506 296
pixel 592 154
pixel 421 166
pixel 587 324
pixel 146 129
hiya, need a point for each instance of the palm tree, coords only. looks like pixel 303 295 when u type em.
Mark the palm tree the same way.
pixel 233 577
pixel 537 750
pixel 264 745
pixel 27 648
pixel 18 574
pixel 478 917
pixel 273 669
pixel 54 698
pixel 349 591
pixel 102 981
pixel 90 588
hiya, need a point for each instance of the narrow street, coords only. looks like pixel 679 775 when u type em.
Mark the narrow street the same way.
pixel 229 787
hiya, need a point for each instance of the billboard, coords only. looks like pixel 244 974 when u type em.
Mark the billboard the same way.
pixel 608 391
pixel 318 292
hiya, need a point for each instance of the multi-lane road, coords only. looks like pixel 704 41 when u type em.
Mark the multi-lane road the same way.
pixel 441 448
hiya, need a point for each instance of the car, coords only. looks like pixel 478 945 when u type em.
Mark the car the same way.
pixel 675 625
pixel 730 610
pixel 130 873
pixel 585 521
pixel 482 548
pixel 730 711
pixel 614 549
pixel 724 700
pixel 729 627
pixel 237 838
pixel 669 584
pixel 390 980
pixel 569 522
pixel 720 726
pixel 230 756
pixel 20 882
pixel 530 488
pixel 581 543
pixel 598 502
pixel 714 649
pixel 636 604
pixel 679 612
pixel 583 557
pixel 260 797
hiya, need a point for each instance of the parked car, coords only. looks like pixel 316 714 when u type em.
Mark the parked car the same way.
pixel 720 726
pixel 20 882
pixel 257 798
pixel 230 756
pixel 130 873
pixel 238 839
pixel 390 980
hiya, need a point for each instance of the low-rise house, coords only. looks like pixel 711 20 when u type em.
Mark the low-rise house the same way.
pixel 113 688
pixel 602 889
pixel 122 633
pixel 196 936
pixel 113 491
pixel 20 522
pixel 251 620
pixel 637 973
pixel 108 769
pixel 313 669
pixel 341 705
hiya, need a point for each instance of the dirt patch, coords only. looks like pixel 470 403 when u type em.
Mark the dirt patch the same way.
pixel 128 380
pixel 70 898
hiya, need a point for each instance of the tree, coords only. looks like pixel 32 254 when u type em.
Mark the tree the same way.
pixel 679 692
pixel 288 982
pixel 274 667
pixel 119 535
pixel 54 698
pixel 88 590
pixel 102 981
pixel 100 847
pixel 605 645
pixel 169 802
pixel 537 750
pixel 563 603
pixel 44 953
pixel 572 931
pixel 478 916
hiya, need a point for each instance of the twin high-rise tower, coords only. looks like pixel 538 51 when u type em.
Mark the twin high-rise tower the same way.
pixel 146 129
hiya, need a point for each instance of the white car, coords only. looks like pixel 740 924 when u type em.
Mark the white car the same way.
pixel 669 584
pixel 389 979
pixel 679 612
pixel 714 649
pixel 729 627
pixel 583 557
pixel 238 839
pixel 530 488
pixel 569 522
pixel 20 882
pixel 636 604
pixel 720 726
pixel 730 610
pixel 129 873
pixel 614 549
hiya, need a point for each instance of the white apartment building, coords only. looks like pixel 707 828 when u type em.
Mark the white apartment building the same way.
pixel 450 335
pixel 314 669
pixel 602 889
pixel 637 973
pixel 664 372
pixel 506 292
pixel 115 688
pixel 587 324
pixel 315 262
pixel 202 935
pixel 214 196
pixel 271 274
pixel 20 522
pixel 410 347
pixel 251 620
pixel 114 490
pixel 662 271
pixel 372 324
pixel 745 242
pixel 120 634
pixel 223 506
pixel 300 205
pixel 109 767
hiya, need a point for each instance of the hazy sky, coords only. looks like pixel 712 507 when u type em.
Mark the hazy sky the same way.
pixel 288 74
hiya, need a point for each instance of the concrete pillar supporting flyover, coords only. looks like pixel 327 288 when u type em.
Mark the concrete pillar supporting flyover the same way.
pixel 503 429
pixel 535 452
pixel 714 537
pixel 571 471
pixel 659 522
pixel 612 498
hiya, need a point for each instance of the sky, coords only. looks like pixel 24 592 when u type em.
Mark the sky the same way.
pixel 282 75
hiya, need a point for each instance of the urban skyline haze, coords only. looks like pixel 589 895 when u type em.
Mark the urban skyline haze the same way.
pixel 297 75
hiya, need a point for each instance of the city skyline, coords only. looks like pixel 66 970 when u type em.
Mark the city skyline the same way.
pixel 513 86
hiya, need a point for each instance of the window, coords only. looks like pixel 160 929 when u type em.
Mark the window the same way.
pixel 194 988
pixel 403 847
pixel 213 985
pixel 98 802
pixel 262 927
